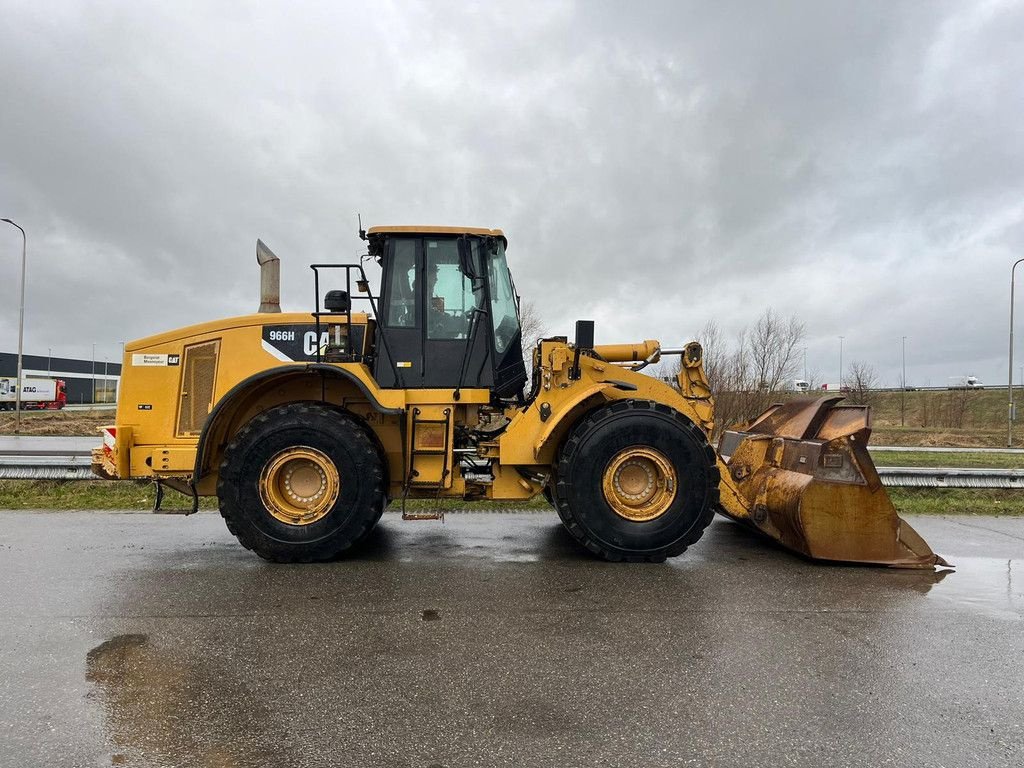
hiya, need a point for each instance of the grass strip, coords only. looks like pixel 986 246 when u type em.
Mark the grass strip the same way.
pixel 958 501
pixel 139 495
pixel 62 495
pixel 959 460
pixel 88 495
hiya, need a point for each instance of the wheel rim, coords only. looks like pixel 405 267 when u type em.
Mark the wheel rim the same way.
pixel 640 484
pixel 299 485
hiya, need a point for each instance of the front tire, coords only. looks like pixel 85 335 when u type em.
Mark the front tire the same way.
pixel 637 481
pixel 300 483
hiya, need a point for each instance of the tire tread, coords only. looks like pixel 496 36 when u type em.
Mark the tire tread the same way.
pixel 300 415
pixel 563 488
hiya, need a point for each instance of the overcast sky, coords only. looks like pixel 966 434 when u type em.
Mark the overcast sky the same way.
pixel 654 165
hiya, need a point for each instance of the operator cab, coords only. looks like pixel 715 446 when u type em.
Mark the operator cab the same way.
pixel 449 314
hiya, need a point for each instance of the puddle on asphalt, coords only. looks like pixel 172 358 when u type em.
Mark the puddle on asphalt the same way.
pixel 989 585
pixel 109 658
pixel 165 707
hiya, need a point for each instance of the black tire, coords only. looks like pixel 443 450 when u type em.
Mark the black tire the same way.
pixel 334 433
pixel 591 446
pixel 549 495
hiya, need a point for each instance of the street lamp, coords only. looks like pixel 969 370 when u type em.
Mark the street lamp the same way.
pixel 21 327
pixel 1009 412
pixel 841 363
pixel 903 386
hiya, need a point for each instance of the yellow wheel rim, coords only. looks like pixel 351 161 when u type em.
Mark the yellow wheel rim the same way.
pixel 640 484
pixel 299 485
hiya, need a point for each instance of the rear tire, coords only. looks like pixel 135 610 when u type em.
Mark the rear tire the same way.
pixel 636 452
pixel 301 482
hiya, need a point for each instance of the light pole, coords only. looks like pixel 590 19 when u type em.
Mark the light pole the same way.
pixel 903 387
pixel 94 373
pixel 1009 411
pixel 805 363
pixel 21 328
pixel 841 363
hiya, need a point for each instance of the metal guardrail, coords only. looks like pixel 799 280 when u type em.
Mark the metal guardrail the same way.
pixel 67 467
pixel 947 388
pixel 939 449
pixel 46 458
pixel 945 477
pixel 76 466
pixel 44 465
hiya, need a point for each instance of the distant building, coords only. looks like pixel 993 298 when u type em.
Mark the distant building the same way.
pixel 83 377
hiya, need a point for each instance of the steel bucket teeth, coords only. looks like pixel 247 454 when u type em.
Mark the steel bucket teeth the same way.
pixel 801 473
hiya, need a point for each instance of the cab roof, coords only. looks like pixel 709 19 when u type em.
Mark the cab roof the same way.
pixel 426 230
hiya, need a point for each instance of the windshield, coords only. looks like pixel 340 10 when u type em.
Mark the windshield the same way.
pixel 504 314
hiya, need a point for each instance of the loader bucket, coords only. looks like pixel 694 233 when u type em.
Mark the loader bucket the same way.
pixel 801 473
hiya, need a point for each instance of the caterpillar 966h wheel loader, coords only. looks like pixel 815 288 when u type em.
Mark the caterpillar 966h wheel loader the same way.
pixel 306 425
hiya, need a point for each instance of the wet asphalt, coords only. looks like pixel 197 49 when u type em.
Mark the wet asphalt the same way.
pixel 490 640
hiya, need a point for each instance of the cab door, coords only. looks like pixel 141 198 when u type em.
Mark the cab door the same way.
pixel 455 327
pixel 399 342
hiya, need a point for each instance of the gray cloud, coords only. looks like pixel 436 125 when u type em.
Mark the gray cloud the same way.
pixel 654 167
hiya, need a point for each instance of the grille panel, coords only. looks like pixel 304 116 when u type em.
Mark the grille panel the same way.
pixel 198 378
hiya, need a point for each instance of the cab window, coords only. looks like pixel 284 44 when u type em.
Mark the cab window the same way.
pixel 450 296
pixel 401 293
pixel 504 313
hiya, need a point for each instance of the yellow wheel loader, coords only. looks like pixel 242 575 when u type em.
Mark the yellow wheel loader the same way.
pixel 307 425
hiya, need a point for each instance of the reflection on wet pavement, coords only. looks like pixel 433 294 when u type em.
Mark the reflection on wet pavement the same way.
pixel 492 640
pixel 989 585
pixel 153 697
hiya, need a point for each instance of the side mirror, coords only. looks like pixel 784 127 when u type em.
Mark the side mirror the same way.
pixel 466 259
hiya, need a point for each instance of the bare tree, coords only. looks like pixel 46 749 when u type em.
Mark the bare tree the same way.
pixel 715 354
pixel 773 349
pixel 533 330
pixel 665 370
pixel 956 402
pixel 814 380
pixel 747 376
pixel 532 324
pixel 861 381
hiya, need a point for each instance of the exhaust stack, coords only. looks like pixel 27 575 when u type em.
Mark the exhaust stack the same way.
pixel 270 278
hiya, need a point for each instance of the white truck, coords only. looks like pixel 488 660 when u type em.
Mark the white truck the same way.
pixel 799 385
pixel 36 394
pixel 964 382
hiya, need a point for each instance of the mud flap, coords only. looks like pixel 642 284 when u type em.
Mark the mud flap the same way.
pixel 801 473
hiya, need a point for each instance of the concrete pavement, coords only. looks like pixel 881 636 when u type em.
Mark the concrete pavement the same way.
pixel 490 640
